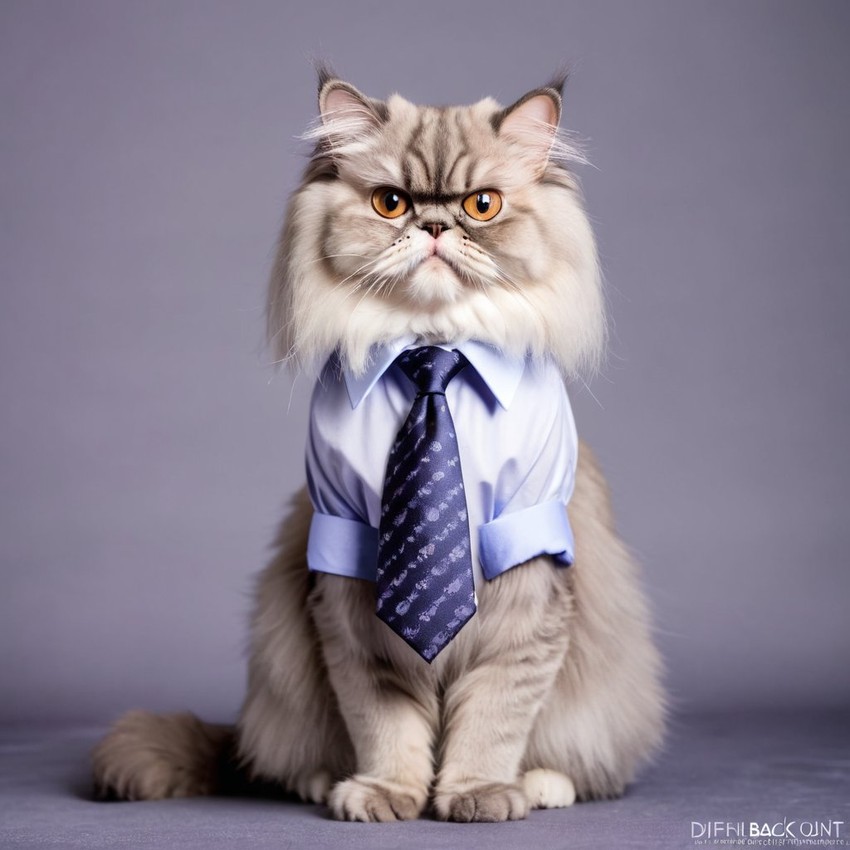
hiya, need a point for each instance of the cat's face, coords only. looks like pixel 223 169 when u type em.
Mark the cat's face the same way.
pixel 443 223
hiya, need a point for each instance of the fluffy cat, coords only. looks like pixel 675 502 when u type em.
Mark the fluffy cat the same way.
pixel 551 691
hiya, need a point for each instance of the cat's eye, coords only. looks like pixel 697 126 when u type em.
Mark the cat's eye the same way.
pixel 483 205
pixel 390 203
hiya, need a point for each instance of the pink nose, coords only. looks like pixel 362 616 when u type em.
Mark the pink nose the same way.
pixel 435 228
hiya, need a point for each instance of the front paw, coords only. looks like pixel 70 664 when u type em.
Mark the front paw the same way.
pixel 548 789
pixel 489 802
pixel 313 787
pixel 364 798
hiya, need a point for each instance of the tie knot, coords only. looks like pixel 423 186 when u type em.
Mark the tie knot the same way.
pixel 431 368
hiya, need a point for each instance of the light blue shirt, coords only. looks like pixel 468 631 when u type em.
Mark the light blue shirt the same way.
pixel 518 449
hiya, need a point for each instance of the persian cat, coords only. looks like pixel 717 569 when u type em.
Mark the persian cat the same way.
pixel 458 226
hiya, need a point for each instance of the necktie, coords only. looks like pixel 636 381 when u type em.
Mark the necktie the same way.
pixel 425 590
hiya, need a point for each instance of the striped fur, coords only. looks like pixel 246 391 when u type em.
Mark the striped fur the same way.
pixel 551 692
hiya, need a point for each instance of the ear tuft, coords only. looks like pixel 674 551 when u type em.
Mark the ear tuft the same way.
pixel 559 80
pixel 540 110
pixel 324 72
pixel 533 120
pixel 341 103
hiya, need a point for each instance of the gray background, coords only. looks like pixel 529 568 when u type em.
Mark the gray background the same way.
pixel 147 448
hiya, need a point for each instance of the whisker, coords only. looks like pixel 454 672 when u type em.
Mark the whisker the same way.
pixel 370 289
pixel 348 278
pixel 506 278
pixel 601 407
pixel 331 257
pixel 290 355
pixel 325 296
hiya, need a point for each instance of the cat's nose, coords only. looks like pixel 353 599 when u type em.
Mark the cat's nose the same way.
pixel 435 228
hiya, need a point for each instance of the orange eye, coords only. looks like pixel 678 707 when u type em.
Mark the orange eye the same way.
pixel 483 205
pixel 390 203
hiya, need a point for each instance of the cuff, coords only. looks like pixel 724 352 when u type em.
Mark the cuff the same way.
pixel 344 547
pixel 514 538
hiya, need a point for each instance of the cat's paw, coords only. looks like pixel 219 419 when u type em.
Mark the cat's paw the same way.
pixel 364 798
pixel 314 787
pixel 490 802
pixel 548 789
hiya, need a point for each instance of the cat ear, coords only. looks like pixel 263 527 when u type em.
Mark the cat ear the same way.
pixel 533 120
pixel 343 106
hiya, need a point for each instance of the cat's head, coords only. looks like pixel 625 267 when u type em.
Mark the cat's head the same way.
pixel 446 224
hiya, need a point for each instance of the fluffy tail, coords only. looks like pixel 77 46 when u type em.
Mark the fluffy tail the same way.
pixel 149 756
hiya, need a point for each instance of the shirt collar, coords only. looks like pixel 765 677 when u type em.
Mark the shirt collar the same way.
pixel 499 372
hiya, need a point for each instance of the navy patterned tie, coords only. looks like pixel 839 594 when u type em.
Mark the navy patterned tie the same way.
pixel 425 590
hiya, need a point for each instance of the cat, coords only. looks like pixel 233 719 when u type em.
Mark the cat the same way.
pixel 552 691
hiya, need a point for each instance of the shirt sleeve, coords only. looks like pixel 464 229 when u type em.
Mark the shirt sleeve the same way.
pixel 340 540
pixel 531 520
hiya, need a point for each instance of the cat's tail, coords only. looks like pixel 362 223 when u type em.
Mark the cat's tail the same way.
pixel 149 756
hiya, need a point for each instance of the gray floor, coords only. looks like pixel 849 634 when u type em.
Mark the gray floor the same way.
pixel 728 768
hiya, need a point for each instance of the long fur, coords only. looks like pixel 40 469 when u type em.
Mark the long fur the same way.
pixel 552 691
pixel 537 289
